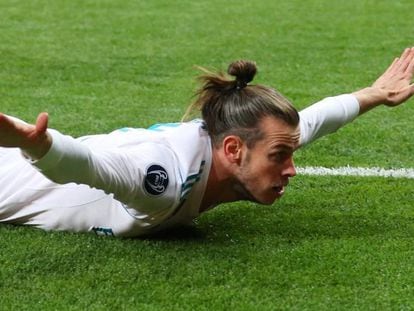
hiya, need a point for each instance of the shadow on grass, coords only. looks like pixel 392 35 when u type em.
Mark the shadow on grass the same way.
pixel 239 224
pixel 181 233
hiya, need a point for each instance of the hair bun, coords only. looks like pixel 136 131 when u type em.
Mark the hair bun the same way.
pixel 243 70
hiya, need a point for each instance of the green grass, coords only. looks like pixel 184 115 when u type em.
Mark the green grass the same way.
pixel 332 243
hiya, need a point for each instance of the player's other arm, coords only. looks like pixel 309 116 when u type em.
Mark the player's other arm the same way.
pixel 64 159
pixel 392 88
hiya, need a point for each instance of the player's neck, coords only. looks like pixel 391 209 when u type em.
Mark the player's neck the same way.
pixel 219 188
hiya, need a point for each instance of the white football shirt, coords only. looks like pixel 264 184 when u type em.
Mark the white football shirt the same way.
pixel 126 183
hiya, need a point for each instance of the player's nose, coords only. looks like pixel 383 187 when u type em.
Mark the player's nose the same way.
pixel 289 169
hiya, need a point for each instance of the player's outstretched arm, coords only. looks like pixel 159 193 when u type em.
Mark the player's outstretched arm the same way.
pixel 393 87
pixel 32 139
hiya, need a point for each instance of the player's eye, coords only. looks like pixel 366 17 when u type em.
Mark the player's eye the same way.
pixel 279 156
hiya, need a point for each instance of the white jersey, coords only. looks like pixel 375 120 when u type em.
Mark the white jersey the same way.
pixel 132 181
pixel 126 183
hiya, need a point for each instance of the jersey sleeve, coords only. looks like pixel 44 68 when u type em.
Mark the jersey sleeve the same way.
pixel 326 117
pixel 143 177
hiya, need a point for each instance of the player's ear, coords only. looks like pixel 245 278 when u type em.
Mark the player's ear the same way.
pixel 232 147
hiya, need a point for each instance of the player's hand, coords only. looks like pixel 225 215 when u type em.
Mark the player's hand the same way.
pixel 33 139
pixel 393 87
pixel 396 80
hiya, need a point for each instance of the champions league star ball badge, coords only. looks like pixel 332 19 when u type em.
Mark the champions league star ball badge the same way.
pixel 156 180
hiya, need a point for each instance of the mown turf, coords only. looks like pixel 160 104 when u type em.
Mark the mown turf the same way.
pixel 347 250
pixel 331 243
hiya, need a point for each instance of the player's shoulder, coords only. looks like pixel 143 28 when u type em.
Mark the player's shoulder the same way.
pixel 190 127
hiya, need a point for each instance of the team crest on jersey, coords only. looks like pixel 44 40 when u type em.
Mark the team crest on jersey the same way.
pixel 156 180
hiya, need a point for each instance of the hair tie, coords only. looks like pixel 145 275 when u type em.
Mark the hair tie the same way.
pixel 240 84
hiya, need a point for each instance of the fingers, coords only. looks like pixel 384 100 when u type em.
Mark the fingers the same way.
pixel 6 121
pixel 396 65
pixel 403 64
pixel 392 67
pixel 410 66
pixel 405 59
pixel 41 122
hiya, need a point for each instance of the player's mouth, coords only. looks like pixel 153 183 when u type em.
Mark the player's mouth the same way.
pixel 279 190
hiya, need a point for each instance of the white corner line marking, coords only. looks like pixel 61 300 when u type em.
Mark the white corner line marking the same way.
pixel 356 171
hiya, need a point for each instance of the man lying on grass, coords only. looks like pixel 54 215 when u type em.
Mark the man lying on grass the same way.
pixel 133 182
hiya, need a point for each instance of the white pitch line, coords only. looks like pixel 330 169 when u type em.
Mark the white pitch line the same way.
pixel 356 171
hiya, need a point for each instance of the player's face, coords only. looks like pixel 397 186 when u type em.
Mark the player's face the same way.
pixel 265 168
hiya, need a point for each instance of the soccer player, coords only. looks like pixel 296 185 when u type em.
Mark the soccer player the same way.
pixel 133 182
